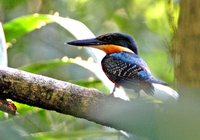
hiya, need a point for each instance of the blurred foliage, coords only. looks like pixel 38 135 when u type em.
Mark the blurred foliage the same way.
pixel 20 26
pixel 50 64
pixel 41 124
pixel 39 50
pixel 146 20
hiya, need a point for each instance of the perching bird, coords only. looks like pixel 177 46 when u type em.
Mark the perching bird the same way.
pixel 122 65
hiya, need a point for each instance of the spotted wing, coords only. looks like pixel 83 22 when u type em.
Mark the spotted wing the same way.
pixel 125 69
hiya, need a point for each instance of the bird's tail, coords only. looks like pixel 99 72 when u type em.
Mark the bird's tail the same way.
pixel 165 93
pixel 147 88
pixel 162 90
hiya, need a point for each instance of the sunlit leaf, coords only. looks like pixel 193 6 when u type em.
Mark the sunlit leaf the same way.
pixel 156 17
pixel 83 134
pixel 23 108
pixel 17 27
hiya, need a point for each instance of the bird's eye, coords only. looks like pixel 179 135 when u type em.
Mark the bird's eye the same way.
pixel 108 38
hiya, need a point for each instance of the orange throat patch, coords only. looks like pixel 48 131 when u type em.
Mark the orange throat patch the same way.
pixel 108 49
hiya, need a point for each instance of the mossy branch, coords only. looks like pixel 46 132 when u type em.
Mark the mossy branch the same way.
pixel 67 98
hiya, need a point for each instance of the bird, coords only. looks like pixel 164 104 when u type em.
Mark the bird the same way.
pixel 122 64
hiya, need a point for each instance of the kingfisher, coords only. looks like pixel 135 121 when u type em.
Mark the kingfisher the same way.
pixel 121 64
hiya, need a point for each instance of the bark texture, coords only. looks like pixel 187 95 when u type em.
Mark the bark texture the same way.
pixel 46 92
pixel 66 98
pixel 187 45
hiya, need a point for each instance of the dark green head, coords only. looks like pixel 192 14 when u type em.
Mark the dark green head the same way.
pixel 118 39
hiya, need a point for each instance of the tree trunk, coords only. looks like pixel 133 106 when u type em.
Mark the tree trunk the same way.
pixel 187 45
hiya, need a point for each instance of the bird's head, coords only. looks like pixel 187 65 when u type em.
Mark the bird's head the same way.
pixel 109 43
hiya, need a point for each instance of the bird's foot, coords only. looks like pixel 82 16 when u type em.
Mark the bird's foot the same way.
pixel 111 95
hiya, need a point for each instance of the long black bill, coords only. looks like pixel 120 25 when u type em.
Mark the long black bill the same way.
pixel 86 42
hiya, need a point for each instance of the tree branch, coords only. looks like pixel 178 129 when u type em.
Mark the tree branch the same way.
pixel 47 93
pixel 67 98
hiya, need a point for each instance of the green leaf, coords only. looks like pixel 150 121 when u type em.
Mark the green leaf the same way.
pixel 45 65
pixel 25 24
pixel 54 126
pixel 42 66
pixel 83 134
